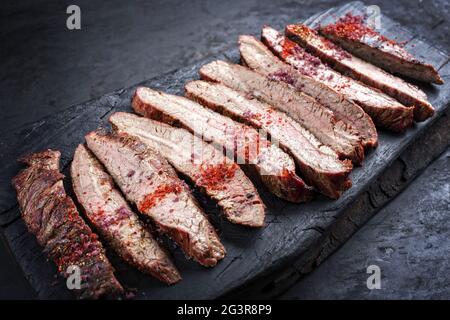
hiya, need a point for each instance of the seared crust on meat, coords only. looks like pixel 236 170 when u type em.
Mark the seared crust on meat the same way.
pixel 414 99
pixel 311 66
pixel 148 181
pixel 349 115
pixel 275 168
pixel 384 110
pixel 352 33
pixel 319 165
pixel 218 176
pixel 312 115
pixel 53 218
pixel 112 217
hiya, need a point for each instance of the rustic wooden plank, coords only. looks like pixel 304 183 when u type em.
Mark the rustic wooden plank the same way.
pixel 61 131
pixel 292 230
pixel 387 185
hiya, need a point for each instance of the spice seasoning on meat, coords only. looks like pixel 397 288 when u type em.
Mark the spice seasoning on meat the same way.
pixel 249 115
pixel 121 214
pixel 307 33
pixel 73 253
pixel 353 28
pixel 160 193
pixel 216 176
pixel 283 76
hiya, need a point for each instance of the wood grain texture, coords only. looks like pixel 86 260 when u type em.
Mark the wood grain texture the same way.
pixel 292 231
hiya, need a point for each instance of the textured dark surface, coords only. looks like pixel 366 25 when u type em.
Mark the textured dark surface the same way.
pixel 408 240
pixel 387 185
pixel 46 67
pixel 67 60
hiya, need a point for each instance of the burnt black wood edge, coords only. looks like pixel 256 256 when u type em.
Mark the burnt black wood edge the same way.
pixel 413 160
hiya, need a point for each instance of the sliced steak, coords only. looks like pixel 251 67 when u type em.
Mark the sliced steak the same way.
pixel 53 218
pixel 318 164
pixel 259 58
pixel 351 33
pixel 363 71
pixel 240 142
pixel 313 116
pixel 218 176
pixel 148 181
pixel 385 111
pixel 111 216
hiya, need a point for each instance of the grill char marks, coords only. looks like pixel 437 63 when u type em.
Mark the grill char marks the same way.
pixel 53 218
pixel 275 168
pixel 110 214
pixel 358 69
pixel 219 177
pixel 149 182
pixel 313 116
pixel 318 164
pixel 351 33
pixel 349 115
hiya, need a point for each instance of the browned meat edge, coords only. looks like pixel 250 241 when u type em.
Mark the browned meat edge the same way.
pixel 402 118
pixel 286 184
pixel 318 163
pixel 352 33
pixel 259 58
pixel 112 217
pixel 53 218
pixel 311 66
pixel 312 115
pixel 148 181
pixel 217 176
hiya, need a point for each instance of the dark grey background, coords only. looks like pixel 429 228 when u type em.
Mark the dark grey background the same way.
pixel 46 68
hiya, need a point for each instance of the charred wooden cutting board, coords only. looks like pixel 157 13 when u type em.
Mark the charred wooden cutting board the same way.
pixel 292 232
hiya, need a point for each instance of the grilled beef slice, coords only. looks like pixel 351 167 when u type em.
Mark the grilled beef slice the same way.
pixel 382 108
pixel 259 58
pixel 148 181
pixel 313 116
pixel 358 69
pixel 111 216
pixel 219 177
pixel 318 164
pixel 53 218
pixel 245 144
pixel 351 33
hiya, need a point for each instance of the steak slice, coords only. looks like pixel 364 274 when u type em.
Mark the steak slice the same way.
pixel 240 142
pixel 313 116
pixel 219 177
pixel 363 71
pixel 351 33
pixel 385 111
pixel 259 58
pixel 319 165
pixel 53 218
pixel 111 216
pixel 149 182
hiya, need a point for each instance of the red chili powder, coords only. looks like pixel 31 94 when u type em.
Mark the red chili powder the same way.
pixel 215 176
pixel 84 245
pixel 153 198
pixel 281 75
pixel 290 47
pixel 305 33
pixel 353 28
